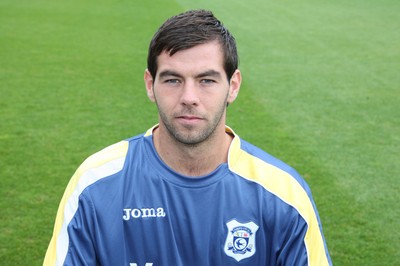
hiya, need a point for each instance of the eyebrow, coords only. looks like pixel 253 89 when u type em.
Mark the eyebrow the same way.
pixel 169 73
pixel 208 73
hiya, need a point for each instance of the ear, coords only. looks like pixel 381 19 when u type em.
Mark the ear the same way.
pixel 234 86
pixel 148 81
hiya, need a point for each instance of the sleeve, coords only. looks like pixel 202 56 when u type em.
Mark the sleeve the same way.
pixel 81 250
pixel 294 239
pixel 59 243
pixel 293 251
pixel 314 237
pixel 306 228
pixel 75 218
pixel 76 245
pixel 305 243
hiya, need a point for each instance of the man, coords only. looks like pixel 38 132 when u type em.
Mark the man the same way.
pixel 189 191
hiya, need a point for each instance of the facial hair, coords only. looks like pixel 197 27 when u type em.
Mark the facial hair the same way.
pixel 197 136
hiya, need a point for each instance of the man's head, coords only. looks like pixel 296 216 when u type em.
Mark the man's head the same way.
pixel 187 30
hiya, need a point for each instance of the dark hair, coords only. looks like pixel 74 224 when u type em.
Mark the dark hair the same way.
pixel 187 30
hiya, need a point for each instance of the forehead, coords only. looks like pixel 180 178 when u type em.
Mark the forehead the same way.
pixel 207 56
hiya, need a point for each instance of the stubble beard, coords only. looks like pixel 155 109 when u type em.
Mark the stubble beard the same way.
pixel 192 137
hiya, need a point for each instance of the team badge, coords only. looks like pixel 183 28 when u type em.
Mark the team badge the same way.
pixel 240 241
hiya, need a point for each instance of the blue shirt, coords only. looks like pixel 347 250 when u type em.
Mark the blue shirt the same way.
pixel 125 206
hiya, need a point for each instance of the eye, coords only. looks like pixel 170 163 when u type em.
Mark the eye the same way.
pixel 172 81
pixel 207 81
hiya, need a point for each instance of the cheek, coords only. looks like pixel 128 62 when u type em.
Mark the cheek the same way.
pixel 163 102
pixel 216 104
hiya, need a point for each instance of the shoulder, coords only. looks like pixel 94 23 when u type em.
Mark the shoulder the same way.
pixel 275 176
pixel 107 156
pixel 258 165
pixel 279 179
pixel 102 164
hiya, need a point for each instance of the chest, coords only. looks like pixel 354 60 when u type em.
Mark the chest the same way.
pixel 165 224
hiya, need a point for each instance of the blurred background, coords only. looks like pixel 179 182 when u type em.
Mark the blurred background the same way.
pixel 320 92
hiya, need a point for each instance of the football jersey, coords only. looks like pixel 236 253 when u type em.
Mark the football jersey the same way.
pixel 125 206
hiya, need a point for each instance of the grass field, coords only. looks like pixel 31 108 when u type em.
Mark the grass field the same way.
pixel 321 91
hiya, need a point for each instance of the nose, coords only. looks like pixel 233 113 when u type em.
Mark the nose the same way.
pixel 189 94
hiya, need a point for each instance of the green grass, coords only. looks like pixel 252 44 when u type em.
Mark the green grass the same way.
pixel 320 91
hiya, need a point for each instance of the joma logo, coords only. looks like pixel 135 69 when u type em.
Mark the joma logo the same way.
pixel 143 213
pixel 135 264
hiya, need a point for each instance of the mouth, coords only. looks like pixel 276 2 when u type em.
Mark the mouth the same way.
pixel 189 119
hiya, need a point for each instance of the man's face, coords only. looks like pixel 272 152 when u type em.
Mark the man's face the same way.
pixel 191 91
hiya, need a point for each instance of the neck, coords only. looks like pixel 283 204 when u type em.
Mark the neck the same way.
pixel 192 160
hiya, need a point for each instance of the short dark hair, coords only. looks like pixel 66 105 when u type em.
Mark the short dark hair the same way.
pixel 187 30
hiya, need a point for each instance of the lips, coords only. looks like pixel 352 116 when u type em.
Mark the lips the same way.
pixel 189 119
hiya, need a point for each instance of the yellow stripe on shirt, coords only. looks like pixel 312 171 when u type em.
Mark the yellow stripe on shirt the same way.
pixel 286 187
pixel 78 182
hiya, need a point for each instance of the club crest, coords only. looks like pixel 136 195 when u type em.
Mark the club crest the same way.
pixel 240 241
